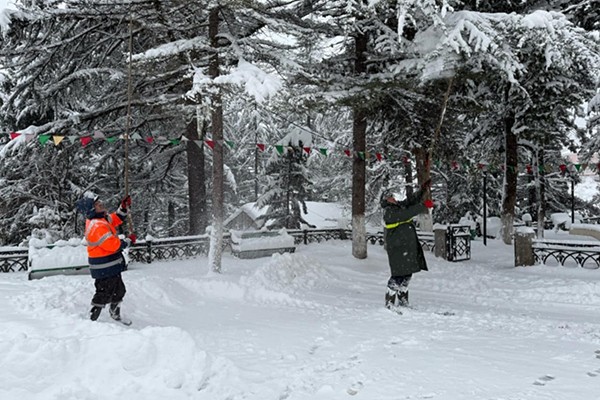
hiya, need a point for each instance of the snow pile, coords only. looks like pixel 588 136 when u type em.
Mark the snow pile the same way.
pixel 291 273
pixel 62 254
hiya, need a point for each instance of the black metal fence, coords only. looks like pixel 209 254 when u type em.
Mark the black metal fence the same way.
pixel 147 251
pixel 13 259
pixel 566 252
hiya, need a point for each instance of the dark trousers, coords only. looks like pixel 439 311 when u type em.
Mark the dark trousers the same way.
pixel 399 283
pixel 109 290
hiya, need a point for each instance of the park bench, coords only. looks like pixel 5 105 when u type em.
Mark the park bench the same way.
pixel 60 258
pixel 256 244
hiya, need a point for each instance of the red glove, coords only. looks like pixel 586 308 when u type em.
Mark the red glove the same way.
pixel 133 238
pixel 126 202
pixel 428 203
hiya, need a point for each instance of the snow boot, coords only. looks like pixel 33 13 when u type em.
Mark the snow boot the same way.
pixel 390 299
pixel 95 312
pixel 403 298
pixel 115 311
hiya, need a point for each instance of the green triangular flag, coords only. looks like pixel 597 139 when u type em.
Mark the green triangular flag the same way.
pixel 43 138
pixel 175 141
pixel 578 166
pixel 361 154
pixel 323 151
pixel 111 139
pixel 230 144
pixel 541 168
pixel 279 149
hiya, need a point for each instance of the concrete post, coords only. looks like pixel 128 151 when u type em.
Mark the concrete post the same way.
pixel 439 235
pixel 524 247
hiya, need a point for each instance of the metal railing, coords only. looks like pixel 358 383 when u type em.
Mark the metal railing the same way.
pixel 147 251
pixel 580 253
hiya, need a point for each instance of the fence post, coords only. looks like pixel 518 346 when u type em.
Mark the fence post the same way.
pixel 149 246
pixel 439 235
pixel 524 247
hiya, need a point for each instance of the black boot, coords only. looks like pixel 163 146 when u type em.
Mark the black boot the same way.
pixel 95 312
pixel 115 311
pixel 403 299
pixel 390 298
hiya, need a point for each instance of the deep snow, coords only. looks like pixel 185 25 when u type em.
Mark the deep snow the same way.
pixel 309 325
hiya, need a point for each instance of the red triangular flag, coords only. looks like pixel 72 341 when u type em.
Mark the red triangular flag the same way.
pixel 85 140
pixel 150 139
pixel 261 146
pixel 14 135
pixel 378 156
pixel 348 153
pixel 307 150
pixel 210 143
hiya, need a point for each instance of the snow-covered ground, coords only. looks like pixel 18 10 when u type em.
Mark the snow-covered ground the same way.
pixel 309 325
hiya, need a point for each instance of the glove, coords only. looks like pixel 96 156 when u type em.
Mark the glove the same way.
pixel 133 238
pixel 126 202
pixel 124 244
pixel 428 203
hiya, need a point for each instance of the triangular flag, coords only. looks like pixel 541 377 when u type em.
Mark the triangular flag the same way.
pixel 111 139
pixel 405 159
pixel 529 168
pixel 578 167
pixel 99 135
pixel 210 143
pixel 57 139
pixel 43 138
pixel 14 135
pixel 378 156
pixel 260 146
pixel 563 168
pixel 541 168
pixel 230 144
pixel 72 139
pixel 184 139
pixel 347 152
pixel 361 154
pixel 454 165
pixel 150 139
pixel 306 149
pixel 279 149
pixel 323 151
pixel 85 140
pixel 199 143
pixel 136 136
pixel 175 141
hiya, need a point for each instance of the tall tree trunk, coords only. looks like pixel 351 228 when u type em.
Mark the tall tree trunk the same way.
pixel 359 134
pixel 509 198
pixel 541 193
pixel 423 175
pixel 196 178
pixel 216 242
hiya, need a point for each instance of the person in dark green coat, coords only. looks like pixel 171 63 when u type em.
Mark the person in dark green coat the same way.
pixel 405 254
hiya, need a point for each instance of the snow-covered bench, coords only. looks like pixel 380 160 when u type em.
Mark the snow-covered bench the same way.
pixel 255 244
pixel 62 257
pixel 592 230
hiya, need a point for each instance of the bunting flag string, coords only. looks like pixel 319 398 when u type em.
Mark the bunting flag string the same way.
pixel 454 165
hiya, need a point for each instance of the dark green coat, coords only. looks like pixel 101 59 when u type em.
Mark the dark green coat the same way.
pixel 404 251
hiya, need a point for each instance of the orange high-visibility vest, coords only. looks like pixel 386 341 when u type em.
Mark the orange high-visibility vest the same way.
pixel 101 236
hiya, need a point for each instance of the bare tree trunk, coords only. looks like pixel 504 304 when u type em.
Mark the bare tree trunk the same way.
pixel 359 133
pixel 423 175
pixel 541 193
pixel 216 242
pixel 196 179
pixel 509 198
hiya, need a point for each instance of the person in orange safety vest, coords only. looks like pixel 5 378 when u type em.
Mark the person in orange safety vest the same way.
pixel 105 253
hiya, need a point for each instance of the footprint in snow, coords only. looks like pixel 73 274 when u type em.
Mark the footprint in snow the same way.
pixel 355 388
pixel 541 381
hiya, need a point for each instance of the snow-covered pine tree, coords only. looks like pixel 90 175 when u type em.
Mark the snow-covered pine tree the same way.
pixel 289 185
